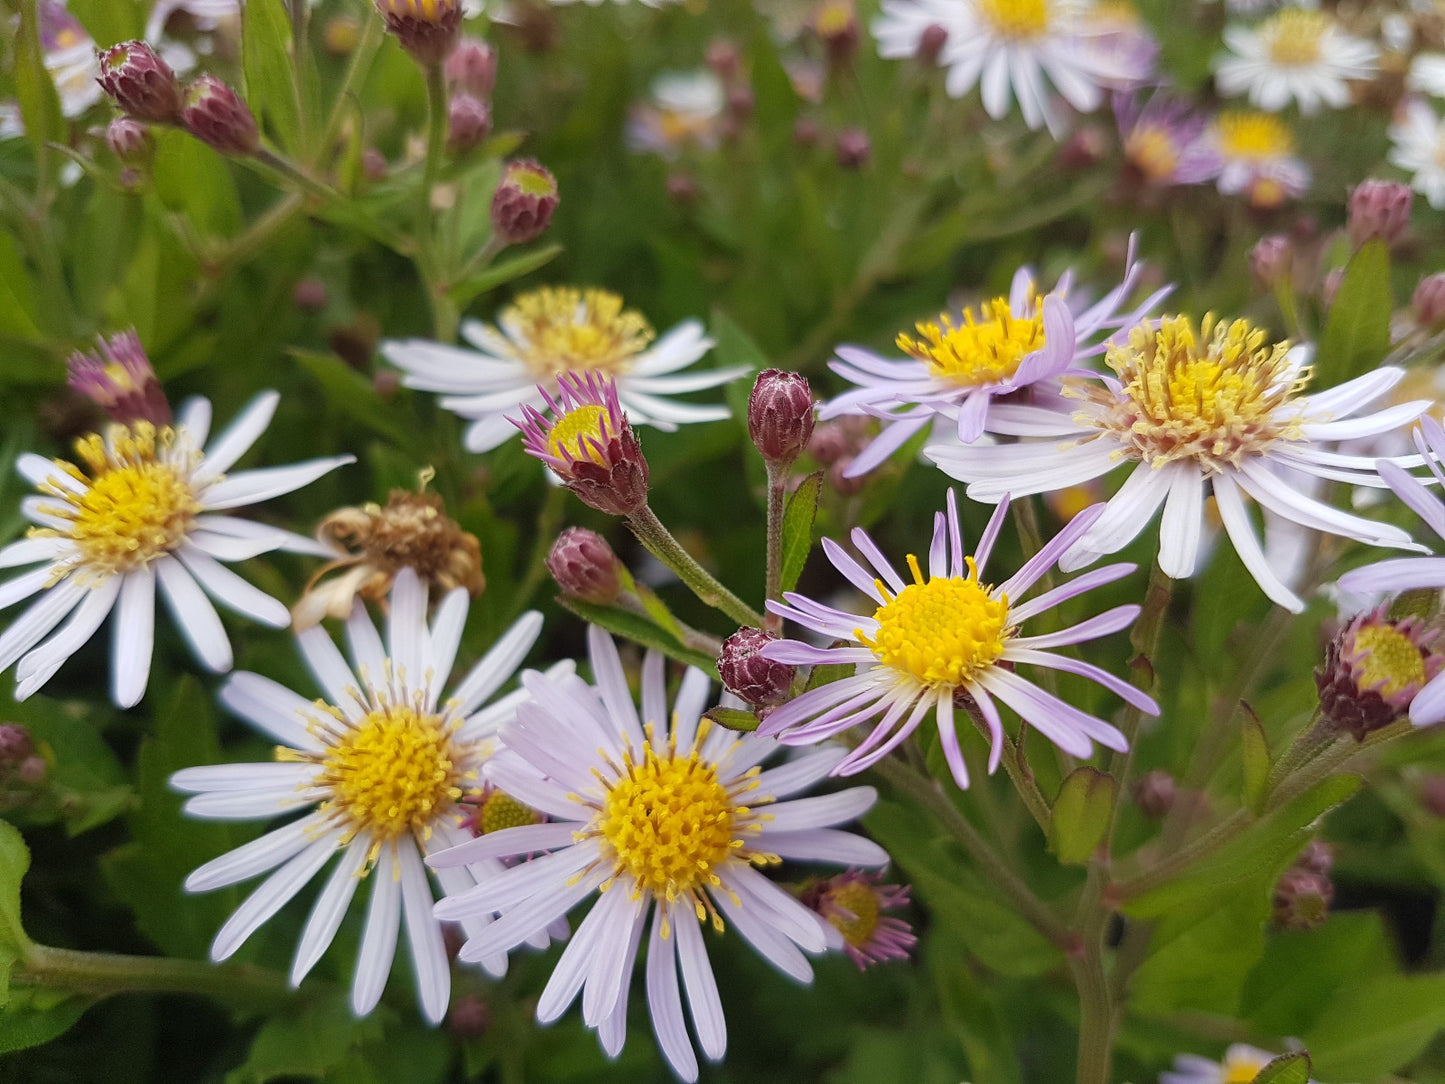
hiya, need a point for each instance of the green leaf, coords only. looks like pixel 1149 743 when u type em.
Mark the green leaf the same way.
pixel 311 1042
pixel 354 396
pixel 798 528
pixel 1286 1069
pixel 1302 972
pixel 18 312
pixel 733 346
pixel 827 673
pixel 1081 815
pixel 1202 954
pixel 32 1017
pixel 733 718
pixel 655 607
pixel 641 630
pixel 14 861
pixel 1254 747
pixel 190 179
pixel 467 289
pixel 265 58
pixel 1357 330
pixel 1373 1028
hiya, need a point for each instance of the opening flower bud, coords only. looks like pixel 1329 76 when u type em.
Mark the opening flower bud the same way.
pixel 140 82
pixel 780 415
pixel 119 379
pixel 1379 209
pixel 215 115
pixel 524 201
pixel 427 29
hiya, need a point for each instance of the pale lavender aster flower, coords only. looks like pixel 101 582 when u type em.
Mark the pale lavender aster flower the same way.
pixel 1163 140
pixel 946 636
pixel 1240 1062
pixel 661 868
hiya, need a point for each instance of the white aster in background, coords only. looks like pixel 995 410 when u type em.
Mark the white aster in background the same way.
pixel 684 109
pixel 69 58
pixel 1427 74
pixel 950 633
pixel 141 511
pixel 1241 1062
pixel 957 370
pixel 1023 49
pixel 1221 411
pixel 665 819
pixel 381 764
pixel 1297 55
pixel 1257 160
pixel 1418 147
pixel 556 330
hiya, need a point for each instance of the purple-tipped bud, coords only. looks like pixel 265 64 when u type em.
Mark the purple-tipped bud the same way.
pixel 119 379
pixel 1330 285
pixel 741 101
pixel 806 132
pixel 1271 260
pixel 747 674
pixel 780 415
pixel 1379 209
pixel 524 201
pixel 140 82
pixel 1154 793
pixel 931 43
pixel 32 771
pixel 585 567
pixel 15 743
pixel 130 141
pixel 1302 899
pixel 682 188
pixel 589 443
pixel 1317 857
pixel 1428 301
pixel 1432 795
pixel 853 148
pixel 215 114
pixel 427 29
pixel 374 164
pixel 472 67
pixel 1373 669
pixel 469 121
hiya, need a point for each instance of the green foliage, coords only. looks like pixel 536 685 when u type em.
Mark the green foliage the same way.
pixel 1356 335
pixel 798 516
pixel 1286 1069
pixel 1081 815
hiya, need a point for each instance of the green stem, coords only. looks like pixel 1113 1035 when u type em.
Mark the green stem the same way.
pixel 1096 1015
pixel 297 176
pixel 1144 639
pixel 1022 777
pixel 436 131
pixel 101 974
pixel 361 58
pixel 777 478
pixel 667 549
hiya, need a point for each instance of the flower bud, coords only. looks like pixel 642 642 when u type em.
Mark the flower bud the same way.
pixel 119 379
pixel 140 82
pixel 806 132
pixel 1154 793
pixel 852 903
pixel 747 674
pixel 215 115
pixel 309 295
pixel 836 24
pixel 780 415
pixel 1428 301
pixel 1271 260
pixel 15 743
pixel 524 201
pixel 853 148
pixel 1302 899
pixel 32 770
pixel 340 35
pixel 1378 209
pixel 931 43
pixel 374 164
pixel 723 58
pixel 682 188
pixel 1432 794
pixel 1373 669
pixel 130 141
pixel 585 567
pixel 469 121
pixel 589 443
pixel 427 29
pixel 468 1017
pixel 472 67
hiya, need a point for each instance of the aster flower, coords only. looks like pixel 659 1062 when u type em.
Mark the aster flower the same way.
pixel 1241 1064
pixel 1298 55
pixel 551 331
pixel 852 903
pixel 945 639
pixel 1257 158
pixel 1163 140
pixel 1417 145
pixel 382 765
pixel 1217 409
pixel 684 109
pixel 69 58
pixel 957 370
pixel 139 512
pixel 1374 668
pixel 665 821
pixel 1010 50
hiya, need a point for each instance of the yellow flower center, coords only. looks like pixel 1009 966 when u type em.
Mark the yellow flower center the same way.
pixel 431 11
pixel 1294 37
pixel 834 17
pixel 1245 134
pixel 392 773
pixel 1241 1070
pixel 943 631
pixel 1388 661
pixel 563 329
pixel 1153 152
pixel 566 438
pixel 859 900
pixel 982 350
pixel 1214 398
pixel 1017 19
pixel 500 810
pixel 134 508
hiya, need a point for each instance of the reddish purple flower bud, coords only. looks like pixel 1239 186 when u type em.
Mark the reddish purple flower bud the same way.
pixel 468 1017
pixel 1379 209
pixel 140 82
pixel 1428 302
pixel 15 743
pixel 681 188
pixel 469 121
pixel 1271 260
pixel 309 295
pixel 1154 793
pixel 1432 795
pixel 806 132
pixel 1373 669
pixel 853 148
pixel 585 567
pixel 1317 857
pixel 741 101
pixel 1330 286
pixel 747 674
pixel 852 904
pixel 931 43
pixel 843 483
pixel 374 164
pixel 472 67
pixel 427 29
pixel 118 378
pixel 723 58
pixel 1084 148
pixel 524 201
pixel 1302 899
pixel 130 141
pixel 780 415
pixel 589 443
pixel 215 115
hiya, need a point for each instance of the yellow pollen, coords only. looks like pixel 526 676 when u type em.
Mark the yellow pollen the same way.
pixel 431 11
pixel 1152 150
pixel 1214 397
pixel 1388 661
pixel 943 632
pixel 860 901
pixel 1241 1070
pixel 1294 37
pixel 1017 19
pixel 982 350
pixel 135 507
pixel 566 438
pixel 501 810
pixel 570 330
pixel 834 17
pixel 394 772
pixel 1244 134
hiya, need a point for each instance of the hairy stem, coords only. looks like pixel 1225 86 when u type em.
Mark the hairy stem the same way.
pixel 667 549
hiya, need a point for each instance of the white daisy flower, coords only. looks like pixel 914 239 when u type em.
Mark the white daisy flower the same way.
pixel 141 511
pixel 1418 147
pixel 1218 410
pixel 69 58
pixel 1024 49
pixel 383 764
pixel 664 821
pixel 1427 74
pixel 1256 152
pixel 948 634
pixel 555 330
pixel 684 109
pixel 1241 1062
pixel 1295 55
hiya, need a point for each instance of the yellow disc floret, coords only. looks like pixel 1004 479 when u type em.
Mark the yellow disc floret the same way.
pixel 1253 136
pixel 1153 151
pixel 858 900
pixel 500 810
pixel 1294 37
pixel 982 350
pixel 562 329
pixel 1214 397
pixel 579 433
pixel 943 632
pixel 1017 19
pixel 1389 661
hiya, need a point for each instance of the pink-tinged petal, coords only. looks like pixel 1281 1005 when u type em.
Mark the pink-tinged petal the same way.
pixel 870 550
pixel 777 949
pixel 827 845
pixel 1110 621
pixel 823 811
pixel 505 843
pixel 817 702
pixel 1428 707
pixel 521 923
pixel 985 542
pixel 618 916
pixel 1034 568
pixel 519 883
pixel 1119 687
pixel 1095 577
pixel 1048 715
pixel 948 738
pixel 664 998
pixel 1415 496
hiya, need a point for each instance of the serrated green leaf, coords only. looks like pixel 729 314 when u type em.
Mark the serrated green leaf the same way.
pixel 1081 814
pixel 266 61
pixel 1254 748
pixel 1357 330
pixel 641 630
pixel 733 718
pixel 471 287
pixel 1286 1069
pixel 798 520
